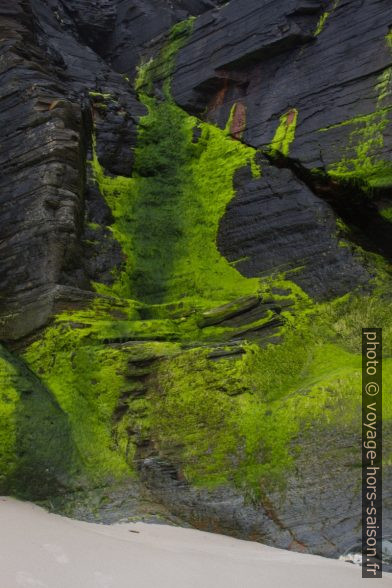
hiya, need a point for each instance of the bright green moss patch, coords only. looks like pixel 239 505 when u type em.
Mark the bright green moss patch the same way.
pixel 167 214
pixel 95 383
pixel 9 399
pixel 240 421
pixel 324 17
pixel 356 120
pixel 86 379
pixel 285 133
pixel 160 68
pixel 365 141
pixel 321 23
pixel 243 420
pixel 101 95
pixel 361 159
pixel 341 320
pixel 388 39
pixel 237 420
pixel 36 452
pixel 93 226
pixel 387 213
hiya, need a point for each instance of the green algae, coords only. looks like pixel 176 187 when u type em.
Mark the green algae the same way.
pixel 386 213
pixel 9 398
pixel 242 421
pixel 285 133
pixel 102 95
pixel 324 17
pixel 36 451
pixel 89 379
pixel 361 160
pixel 231 421
pixel 86 381
pixel 161 67
pixel 166 216
pixel 388 39
pixel 238 420
pixel 93 226
pixel 321 23
pixel 365 142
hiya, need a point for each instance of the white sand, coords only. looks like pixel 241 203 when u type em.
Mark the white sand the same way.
pixel 42 550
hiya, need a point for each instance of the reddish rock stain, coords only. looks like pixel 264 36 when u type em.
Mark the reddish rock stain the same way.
pixel 238 123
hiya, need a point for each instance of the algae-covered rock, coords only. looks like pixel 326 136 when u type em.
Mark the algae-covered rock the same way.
pixel 229 310
pixel 195 225
pixel 37 454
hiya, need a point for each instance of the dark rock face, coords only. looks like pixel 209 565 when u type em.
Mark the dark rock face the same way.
pixel 266 55
pixel 301 228
pixel 42 175
pixel 141 23
pixel 306 84
pixel 226 44
pixel 221 511
pixel 298 519
pixel 47 74
pixel 93 21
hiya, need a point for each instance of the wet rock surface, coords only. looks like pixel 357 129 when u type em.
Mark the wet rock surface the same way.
pixel 67 68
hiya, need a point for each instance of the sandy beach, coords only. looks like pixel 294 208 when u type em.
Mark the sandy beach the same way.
pixel 42 550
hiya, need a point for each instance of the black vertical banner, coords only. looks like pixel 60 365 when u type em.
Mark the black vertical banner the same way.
pixel 372 453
